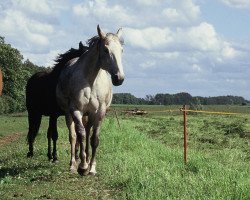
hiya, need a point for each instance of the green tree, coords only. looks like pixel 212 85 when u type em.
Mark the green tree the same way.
pixel 15 76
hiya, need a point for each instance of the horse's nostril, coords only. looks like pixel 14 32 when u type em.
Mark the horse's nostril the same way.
pixel 116 77
pixel 117 80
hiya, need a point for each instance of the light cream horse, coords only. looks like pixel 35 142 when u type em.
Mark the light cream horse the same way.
pixel 84 88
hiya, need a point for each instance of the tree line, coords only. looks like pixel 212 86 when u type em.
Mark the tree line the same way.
pixel 16 71
pixel 177 99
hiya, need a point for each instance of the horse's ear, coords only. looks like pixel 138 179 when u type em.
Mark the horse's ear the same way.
pixel 80 45
pixel 101 34
pixel 119 33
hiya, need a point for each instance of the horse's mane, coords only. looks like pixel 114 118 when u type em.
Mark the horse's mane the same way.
pixel 62 59
pixel 94 40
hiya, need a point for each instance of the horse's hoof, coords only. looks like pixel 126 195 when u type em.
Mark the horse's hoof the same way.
pixel 49 157
pixel 29 155
pixel 92 173
pixel 55 161
pixel 83 172
pixel 72 170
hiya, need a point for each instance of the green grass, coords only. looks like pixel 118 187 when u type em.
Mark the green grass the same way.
pixel 142 160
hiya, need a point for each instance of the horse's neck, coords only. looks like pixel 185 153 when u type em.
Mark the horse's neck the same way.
pixel 89 64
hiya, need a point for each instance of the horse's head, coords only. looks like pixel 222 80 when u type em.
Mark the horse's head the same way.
pixel 111 55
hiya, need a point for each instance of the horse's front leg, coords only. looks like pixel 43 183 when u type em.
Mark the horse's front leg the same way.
pixel 81 137
pixel 72 140
pixel 94 145
pixel 87 125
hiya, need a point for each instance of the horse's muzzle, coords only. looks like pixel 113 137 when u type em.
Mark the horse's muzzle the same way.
pixel 117 79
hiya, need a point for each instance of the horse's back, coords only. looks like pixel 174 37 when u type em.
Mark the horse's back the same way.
pixel 41 94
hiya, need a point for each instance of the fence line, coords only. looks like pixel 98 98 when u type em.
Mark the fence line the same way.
pixel 212 112
pixel 184 111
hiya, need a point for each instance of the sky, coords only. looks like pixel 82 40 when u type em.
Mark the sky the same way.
pixel 197 46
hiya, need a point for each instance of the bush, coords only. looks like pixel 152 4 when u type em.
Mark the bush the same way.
pixel 8 105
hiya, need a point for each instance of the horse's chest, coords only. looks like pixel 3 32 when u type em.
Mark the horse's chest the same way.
pixel 93 103
pixel 89 100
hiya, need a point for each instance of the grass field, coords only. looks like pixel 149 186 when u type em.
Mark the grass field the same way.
pixel 143 159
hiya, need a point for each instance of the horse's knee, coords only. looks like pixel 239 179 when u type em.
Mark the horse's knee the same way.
pixel 72 137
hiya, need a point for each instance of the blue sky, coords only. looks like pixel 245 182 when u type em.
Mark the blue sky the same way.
pixel 196 46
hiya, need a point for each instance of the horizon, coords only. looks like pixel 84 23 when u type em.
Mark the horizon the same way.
pixel 178 93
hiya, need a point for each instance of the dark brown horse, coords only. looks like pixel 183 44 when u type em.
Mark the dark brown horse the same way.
pixel 41 100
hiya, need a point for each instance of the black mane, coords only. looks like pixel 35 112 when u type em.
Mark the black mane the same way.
pixel 92 41
pixel 62 59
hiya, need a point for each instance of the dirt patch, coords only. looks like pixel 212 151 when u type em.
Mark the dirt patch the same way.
pixel 9 138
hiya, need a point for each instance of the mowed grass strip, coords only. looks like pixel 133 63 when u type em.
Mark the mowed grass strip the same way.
pixel 131 164
pixel 145 168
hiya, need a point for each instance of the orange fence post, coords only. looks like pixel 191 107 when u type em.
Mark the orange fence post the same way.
pixel 185 133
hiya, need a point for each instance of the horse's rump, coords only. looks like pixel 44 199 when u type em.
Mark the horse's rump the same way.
pixel 40 94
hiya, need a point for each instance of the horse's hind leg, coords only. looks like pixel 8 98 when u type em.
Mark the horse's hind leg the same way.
pixel 52 134
pixel 34 124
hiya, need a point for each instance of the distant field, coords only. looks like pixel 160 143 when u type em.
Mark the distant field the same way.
pixel 141 160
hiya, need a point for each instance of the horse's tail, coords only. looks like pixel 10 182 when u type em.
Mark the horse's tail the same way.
pixel 34 124
pixel 34 117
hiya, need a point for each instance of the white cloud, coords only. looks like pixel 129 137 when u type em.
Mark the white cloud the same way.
pixel 202 37
pixel 81 10
pixel 172 14
pixel 167 43
pixel 16 24
pixel 149 2
pixel 228 51
pixel 148 38
pixel 40 7
pixel 100 10
pixel 192 10
pixel 243 4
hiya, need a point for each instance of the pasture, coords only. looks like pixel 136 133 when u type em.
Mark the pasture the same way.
pixel 143 159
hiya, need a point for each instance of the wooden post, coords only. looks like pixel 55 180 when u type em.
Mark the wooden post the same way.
pixel 117 119
pixel 185 133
